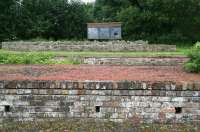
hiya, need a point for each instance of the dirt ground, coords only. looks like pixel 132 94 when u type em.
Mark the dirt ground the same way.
pixel 85 125
pixel 88 72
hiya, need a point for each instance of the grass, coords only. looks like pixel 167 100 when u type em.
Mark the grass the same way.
pixel 7 57
pixel 179 52
pixel 85 125
pixel 47 57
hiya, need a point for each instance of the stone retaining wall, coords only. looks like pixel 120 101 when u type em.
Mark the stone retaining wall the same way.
pixel 137 61
pixel 85 46
pixel 139 101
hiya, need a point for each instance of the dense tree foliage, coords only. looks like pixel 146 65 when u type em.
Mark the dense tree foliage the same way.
pixel 162 21
pixel 5 18
pixel 56 19
pixel 159 21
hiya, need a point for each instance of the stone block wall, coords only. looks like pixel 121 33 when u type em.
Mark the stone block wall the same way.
pixel 136 61
pixel 116 46
pixel 140 101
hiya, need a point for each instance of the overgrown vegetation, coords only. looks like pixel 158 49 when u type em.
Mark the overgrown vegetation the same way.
pixel 96 126
pixel 159 21
pixel 194 64
pixel 33 58
pixel 61 57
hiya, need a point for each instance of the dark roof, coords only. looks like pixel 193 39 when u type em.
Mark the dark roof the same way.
pixel 104 25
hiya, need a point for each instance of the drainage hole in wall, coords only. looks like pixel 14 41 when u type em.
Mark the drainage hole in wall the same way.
pixel 178 110
pixel 101 63
pixel 7 108
pixel 97 109
pixel 115 33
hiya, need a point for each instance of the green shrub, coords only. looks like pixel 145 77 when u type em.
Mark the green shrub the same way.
pixel 27 58
pixel 34 58
pixel 194 64
pixel 197 45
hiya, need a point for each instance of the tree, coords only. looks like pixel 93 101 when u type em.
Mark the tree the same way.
pixel 106 10
pixel 137 3
pixel 159 21
pixel 56 19
pixel 5 18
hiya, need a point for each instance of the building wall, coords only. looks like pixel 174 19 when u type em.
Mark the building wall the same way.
pixel 141 101
pixel 104 33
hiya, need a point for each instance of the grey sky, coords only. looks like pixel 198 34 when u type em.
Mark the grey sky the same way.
pixel 88 0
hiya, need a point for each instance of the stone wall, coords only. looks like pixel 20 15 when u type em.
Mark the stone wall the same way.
pixel 86 46
pixel 139 101
pixel 137 61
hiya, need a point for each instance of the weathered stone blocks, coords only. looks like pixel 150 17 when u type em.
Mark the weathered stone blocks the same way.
pixel 136 61
pixel 85 46
pixel 144 101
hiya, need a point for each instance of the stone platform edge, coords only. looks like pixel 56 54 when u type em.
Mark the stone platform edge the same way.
pixel 118 46
pixel 100 85
pixel 140 101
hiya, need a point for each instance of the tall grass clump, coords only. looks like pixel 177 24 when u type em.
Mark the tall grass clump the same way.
pixel 194 64
pixel 25 58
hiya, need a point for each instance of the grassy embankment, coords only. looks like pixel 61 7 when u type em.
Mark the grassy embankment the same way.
pixel 16 57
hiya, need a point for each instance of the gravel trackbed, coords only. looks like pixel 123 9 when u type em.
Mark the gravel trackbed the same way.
pixel 88 72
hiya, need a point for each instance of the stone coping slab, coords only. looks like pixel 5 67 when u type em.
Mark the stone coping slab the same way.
pixel 101 85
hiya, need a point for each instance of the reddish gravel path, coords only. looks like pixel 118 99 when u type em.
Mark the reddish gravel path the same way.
pixel 83 72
